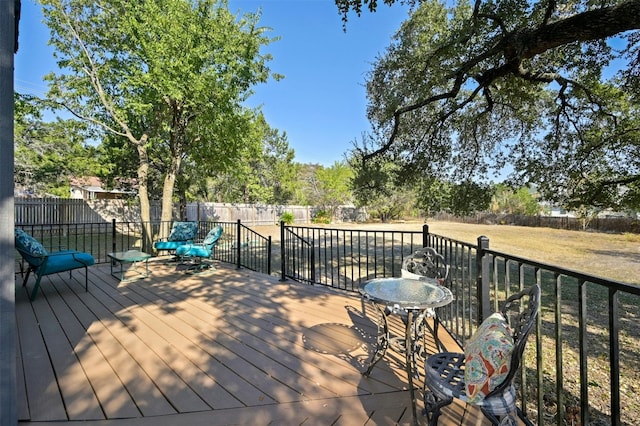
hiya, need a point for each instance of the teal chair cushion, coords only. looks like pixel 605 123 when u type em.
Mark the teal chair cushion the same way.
pixel 66 260
pixel 193 250
pixel 28 244
pixel 183 231
pixel 203 249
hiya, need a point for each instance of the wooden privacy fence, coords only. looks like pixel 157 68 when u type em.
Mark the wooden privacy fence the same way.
pixel 30 211
pixel 42 211
pixel 599 224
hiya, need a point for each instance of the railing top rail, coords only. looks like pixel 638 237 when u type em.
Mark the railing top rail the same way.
pixel 324 228
pixel 451 240
pixel 299 237
pixel 617 285
pixel 252 232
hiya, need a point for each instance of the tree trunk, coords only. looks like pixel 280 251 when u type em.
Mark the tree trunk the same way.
pixel 143 194
pixel 167 191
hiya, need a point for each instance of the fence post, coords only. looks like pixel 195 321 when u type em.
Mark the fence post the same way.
pixel 425 235
pixel 113 235
pixel 483 279
pixel 238 245
pixel 282 252
pixel 269 256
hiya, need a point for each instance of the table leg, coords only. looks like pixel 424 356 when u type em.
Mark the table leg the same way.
pixel 113 261
pixel 409 362
pixel 382 342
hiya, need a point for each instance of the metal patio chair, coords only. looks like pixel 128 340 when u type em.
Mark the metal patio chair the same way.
pixel 42 262
pixel 424 263
pixel 181 233
pixel 483 375
pixel 197 252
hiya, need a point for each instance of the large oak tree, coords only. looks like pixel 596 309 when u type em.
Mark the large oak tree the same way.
pixel 465 91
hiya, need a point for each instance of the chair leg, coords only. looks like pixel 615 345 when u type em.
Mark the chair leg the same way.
pixel 199 267
pixel 26 277
pixel 510 419
pixel 433 405
pixel 35 288
pixel 524 417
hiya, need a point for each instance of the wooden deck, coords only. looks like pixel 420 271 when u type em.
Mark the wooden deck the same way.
pixel 231 347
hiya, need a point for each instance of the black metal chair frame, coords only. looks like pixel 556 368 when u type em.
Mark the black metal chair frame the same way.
pixel 447 368
pixel 423 263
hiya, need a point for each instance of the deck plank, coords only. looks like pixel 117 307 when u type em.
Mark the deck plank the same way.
pixel 227 347
pixel 45 402
pixel 69 371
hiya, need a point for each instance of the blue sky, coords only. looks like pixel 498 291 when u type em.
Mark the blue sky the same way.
pixel 320 104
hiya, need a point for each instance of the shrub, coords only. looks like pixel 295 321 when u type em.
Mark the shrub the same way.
pixel 287 218
pixel 321 216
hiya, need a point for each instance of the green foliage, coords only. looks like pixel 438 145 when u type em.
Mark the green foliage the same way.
pixel 288 218
pixel 377 185
pixel 49 154
pixel 507 201
pixel 461 199
pixel 169 77
pixel 465 89
pixel 327 187
pixel 265 173
pixel 321 216
pixel 388 192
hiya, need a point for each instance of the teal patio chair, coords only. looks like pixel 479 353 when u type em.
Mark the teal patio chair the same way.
pixel 197 252
pixel 41 262
pixel 181 233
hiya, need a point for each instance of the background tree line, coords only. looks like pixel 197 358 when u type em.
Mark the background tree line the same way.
pixel 50 154
pixel 156 93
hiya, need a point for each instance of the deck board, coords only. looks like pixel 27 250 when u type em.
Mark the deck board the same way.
pixel 227 347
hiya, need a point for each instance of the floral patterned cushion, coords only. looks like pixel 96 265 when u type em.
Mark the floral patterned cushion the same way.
pixel 29 244
pixel 183 231
pixel 487 357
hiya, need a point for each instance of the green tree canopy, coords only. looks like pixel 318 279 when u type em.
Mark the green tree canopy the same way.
pixel 331 187
pixel 168 76
pixel 464 90
pixel 509 201
pixel 49 154
pixel 265 173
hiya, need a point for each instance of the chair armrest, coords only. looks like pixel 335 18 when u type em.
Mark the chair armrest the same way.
pixel 85 263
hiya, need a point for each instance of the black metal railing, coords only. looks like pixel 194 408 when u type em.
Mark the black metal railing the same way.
pixel 586 334
pixel 581 368
pixel 239 245
pixel 584 337
pixel 297 257
pixel 343 258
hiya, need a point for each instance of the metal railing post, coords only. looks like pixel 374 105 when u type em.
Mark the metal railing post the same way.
pixel 282 253
pixel 113 235
pixel 269 256
pixel 425 235
pixel 238 246
pixel 483 279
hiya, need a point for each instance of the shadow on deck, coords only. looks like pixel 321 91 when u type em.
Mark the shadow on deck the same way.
pixel 228 347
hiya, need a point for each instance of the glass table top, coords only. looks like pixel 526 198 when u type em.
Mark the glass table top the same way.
pixel 129 256
pixel 407 293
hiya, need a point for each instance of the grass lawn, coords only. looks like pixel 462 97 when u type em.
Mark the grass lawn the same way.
pixel 612 256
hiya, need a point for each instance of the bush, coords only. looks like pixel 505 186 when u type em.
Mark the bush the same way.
pixel 321 216
pixel 288 218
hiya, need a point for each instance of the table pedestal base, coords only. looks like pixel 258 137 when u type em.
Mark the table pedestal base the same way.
pixel 414 329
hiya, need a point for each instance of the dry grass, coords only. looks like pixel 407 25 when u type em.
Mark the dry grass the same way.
pixel 612 256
